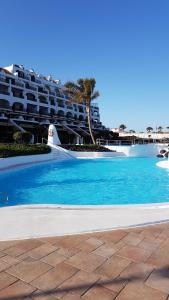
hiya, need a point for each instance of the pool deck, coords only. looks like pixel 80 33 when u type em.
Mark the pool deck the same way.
pixel 126 264
pixel 31 221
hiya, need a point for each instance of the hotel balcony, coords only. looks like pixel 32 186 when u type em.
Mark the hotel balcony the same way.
pixel 41 90
pixel 81 109
pixel 30 87
pixel 52 93
pixel 69 107
pixel 4 89
pixel 4 104
pixel 60 103
pixel 43 99
pixel 32 109
pixel 31 97
pixel 4 79
pixel 17 83
pixel 17 106
pixel 17 93
pixel 52 101
pixel 43 111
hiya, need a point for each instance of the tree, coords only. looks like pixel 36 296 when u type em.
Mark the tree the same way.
pixel 149 129
pixel 167 127
pixel 22 137
pixel 122 127
pixel 132 131
pixel 83 91
pixel 160 128
pixel 17 136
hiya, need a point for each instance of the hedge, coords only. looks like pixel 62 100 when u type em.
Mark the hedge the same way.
pixel 8 150
pixel 86 148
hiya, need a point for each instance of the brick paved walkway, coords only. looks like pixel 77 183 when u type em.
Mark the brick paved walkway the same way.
pixel 130 264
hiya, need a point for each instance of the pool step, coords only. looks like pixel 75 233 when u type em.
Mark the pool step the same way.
pixel 61 154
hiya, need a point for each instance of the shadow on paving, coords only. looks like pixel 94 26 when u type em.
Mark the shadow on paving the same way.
pixel 162 272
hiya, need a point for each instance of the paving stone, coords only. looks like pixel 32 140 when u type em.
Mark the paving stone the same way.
pixel 151 231
pixel 7 244
pixel 70 241
pixel 9 260
pixel 116 284
pixel 106 250
pixel 21 247
pixel 138 291
pixel 54 258
pixel 79 283
pixel 3 266
pixel 131 264
pixel 29 244
pixel 159 258
pixel 137 271
pixel 132 239
pixel 18 289
pixel 113 236
pixel 71 297
pixel 40 295
pixel 2 254
pixel 28 271
pixel 134 253
pixel 15 251
pixel 68 252
pixel 159 279
pixel 55 277
pixel 6 280
pixel 86 262
pixel 89 245
pixel 41 251
pixel 113 267
pixel 99 293
pixel 149 244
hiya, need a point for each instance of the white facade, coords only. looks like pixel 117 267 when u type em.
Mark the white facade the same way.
pixel 145 135
pixel 137 150
pixel 29 98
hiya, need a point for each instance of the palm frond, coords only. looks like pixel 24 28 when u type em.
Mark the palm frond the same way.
pixel 95 95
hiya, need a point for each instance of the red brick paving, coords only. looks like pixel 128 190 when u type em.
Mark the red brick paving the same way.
pixel 129 264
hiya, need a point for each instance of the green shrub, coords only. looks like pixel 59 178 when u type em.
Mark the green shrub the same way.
pixel 86 148
pixel 17 136
pixel 22 137
pixel 8 150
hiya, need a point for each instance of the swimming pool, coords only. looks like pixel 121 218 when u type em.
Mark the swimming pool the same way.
pixel 87 182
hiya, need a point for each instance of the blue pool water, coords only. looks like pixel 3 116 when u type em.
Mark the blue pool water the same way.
pixel 98 181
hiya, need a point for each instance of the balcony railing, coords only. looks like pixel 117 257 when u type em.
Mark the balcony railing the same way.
pixel 52 93
pixel 4 92
pixel 17 83
pixel 16 95
pixel 30 87
pixel 60 105
pixel 41 90
pixel 43 101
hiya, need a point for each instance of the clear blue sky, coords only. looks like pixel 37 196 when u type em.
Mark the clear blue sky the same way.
pixel 124 44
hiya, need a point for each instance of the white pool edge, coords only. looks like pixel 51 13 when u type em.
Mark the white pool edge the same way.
pixel 37 221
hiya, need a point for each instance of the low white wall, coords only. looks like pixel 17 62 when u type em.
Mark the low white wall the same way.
pixel 147 150
pixel 78 154
pixel 9 162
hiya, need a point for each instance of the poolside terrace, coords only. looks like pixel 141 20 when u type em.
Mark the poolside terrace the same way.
pixel 125 264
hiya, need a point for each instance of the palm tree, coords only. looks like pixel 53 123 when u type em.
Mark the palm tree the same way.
pixel 122 127
pixel 149 129
pixel 160 128
pixel 132 131
pixel 83 91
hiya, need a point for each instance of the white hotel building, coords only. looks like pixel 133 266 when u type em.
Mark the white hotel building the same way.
pixel 28 99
